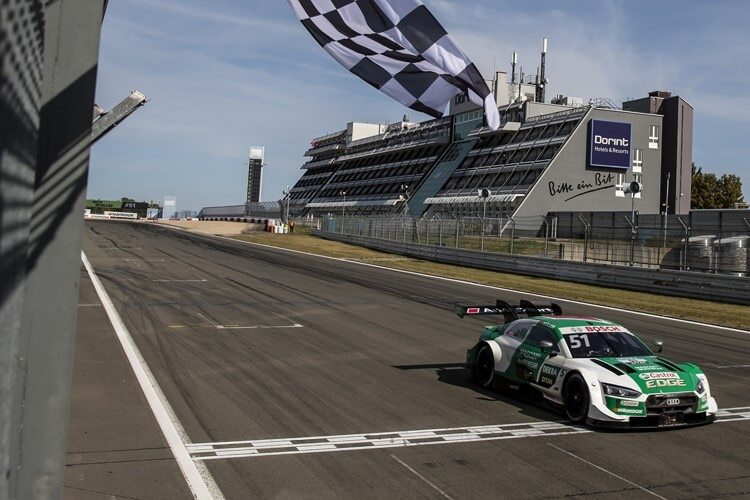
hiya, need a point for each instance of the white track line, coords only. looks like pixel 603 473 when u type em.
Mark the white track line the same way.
pixel 198 478
pixel 420 476
pixel 513 290
pixel 646 490
pixel 179 281
pixel 258 327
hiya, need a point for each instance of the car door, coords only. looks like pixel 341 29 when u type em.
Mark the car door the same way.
pixel 532 364
pixel 510 341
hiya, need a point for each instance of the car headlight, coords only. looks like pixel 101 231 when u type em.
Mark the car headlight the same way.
pixel 622 392
pixel 701 387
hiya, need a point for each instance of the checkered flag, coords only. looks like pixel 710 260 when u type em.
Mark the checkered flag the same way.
pixel 398 47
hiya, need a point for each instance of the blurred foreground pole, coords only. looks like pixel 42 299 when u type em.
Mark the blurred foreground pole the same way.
pixel 49 52
pixel 21 43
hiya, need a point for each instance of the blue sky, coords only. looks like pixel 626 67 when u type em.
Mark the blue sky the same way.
pixel 224 75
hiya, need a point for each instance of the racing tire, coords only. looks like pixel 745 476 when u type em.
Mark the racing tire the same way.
pixel 577 399
pixel 484 369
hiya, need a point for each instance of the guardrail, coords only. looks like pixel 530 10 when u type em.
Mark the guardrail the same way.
pixel 731 289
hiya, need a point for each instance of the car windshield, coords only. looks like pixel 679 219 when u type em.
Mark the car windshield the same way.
pixel 605 344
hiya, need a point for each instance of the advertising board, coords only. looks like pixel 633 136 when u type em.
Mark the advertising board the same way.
pixel 609 144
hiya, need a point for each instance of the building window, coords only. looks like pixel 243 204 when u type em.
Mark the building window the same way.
pixel 619 187
pixel 637 161
pixel 653 137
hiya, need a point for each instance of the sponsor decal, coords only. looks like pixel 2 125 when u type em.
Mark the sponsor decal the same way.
pixel 630 411
pixel 548 375
pixel 626 402
pixel 658 375
pixel 647 368
pixel 593 329
pixel 703 403
pixel 625 406
pixel 483 310
pixel 583 187
pixel 635 361
pixel 651 384
pixel 609 144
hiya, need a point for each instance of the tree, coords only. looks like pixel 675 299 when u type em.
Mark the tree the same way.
pixel 709 191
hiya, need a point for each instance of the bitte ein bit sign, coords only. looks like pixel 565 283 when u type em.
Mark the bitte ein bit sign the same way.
pixel 609 144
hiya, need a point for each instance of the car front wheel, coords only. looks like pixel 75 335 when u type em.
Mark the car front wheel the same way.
pixel 484 370
pixel 576 399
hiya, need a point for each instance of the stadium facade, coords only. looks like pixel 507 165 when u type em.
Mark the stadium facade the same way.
pixel 562 156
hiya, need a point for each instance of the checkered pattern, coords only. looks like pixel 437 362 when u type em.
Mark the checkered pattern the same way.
pixel 398 47
pixel 351 442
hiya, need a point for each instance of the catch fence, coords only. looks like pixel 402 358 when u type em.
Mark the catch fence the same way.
pixel 657 242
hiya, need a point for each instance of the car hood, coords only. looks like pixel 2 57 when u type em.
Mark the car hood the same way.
pixel 653 374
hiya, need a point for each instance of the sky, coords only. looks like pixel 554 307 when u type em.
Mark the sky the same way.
pixel 225 75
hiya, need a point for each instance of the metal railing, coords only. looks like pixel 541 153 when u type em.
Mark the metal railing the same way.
pixel 653 243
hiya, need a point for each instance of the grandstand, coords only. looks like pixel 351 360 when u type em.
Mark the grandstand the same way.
pixel 546 157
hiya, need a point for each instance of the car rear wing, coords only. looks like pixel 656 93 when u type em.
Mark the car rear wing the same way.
pixel 525 309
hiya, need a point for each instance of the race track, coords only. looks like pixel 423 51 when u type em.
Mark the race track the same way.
pixel 251 343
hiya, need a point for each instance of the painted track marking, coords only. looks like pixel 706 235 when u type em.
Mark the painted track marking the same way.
pixel 198 478
pixel 463 282
pixel 424 479
pixel 179 281
pixel 402 439
pixel 369 441
pixel 216 325
pixel 646 490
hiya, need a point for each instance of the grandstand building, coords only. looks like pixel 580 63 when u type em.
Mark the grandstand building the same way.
pixel 563 156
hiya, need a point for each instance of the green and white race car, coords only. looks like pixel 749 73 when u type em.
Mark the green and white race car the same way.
pixel 597 371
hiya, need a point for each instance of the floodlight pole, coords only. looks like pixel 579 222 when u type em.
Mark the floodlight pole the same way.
pixel 484 193
pixel 287 195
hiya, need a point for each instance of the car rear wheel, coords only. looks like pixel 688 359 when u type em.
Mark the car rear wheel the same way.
pixel 484 370
pixel 576 399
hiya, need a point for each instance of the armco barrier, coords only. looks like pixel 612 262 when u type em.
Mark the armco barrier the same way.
pixel 721 288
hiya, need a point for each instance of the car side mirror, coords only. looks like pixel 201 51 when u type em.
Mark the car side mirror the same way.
pixel 658 346
pixel 546 346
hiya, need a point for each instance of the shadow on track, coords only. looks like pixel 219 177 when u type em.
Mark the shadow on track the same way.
pixel 457 375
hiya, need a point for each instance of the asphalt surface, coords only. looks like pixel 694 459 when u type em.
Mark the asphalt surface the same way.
pixel 115 447
pixel 252 343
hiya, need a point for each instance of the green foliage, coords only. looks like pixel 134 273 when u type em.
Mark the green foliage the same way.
pixel 709 191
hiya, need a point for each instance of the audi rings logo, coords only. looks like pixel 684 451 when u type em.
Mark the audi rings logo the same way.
pixel 672 402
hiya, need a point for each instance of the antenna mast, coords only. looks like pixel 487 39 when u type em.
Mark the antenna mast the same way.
pixel 541 85
pixel 513 61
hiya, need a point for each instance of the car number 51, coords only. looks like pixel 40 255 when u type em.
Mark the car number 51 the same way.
pixel 575 341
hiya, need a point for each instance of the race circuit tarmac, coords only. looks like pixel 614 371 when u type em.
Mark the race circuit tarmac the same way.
pixel 352 376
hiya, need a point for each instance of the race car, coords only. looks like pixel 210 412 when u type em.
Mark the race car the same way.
pixel 596 371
